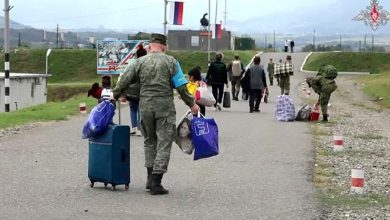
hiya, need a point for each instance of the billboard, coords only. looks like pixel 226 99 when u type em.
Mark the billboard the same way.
pixel 114 55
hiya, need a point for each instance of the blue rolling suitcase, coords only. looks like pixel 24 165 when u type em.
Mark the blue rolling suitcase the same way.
pixel 109 157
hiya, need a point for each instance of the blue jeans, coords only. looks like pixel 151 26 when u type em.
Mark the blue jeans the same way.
pixel 134 113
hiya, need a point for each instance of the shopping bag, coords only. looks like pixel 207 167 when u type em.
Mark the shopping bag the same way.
pixel 99 119
pixel 315 114
pixel 204 137
pixel 226 99
pixel 304 113
pixel 183 133
pixel 285 108
pixel 203 96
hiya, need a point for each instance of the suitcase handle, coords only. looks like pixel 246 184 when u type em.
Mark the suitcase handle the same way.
pixel 123 156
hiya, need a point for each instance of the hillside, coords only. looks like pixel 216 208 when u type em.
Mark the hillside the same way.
pixel 79 66
pixel 359 62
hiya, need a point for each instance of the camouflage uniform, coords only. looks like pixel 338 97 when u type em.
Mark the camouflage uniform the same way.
pixel 270 70
pixel 324 87
pixel 154 72
pixel 286 70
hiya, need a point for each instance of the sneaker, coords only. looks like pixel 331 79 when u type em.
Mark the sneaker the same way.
pixel 133 130
pixel 250 111
pixel 138 133
pixel 214 108
pixel 219 107
pixel 257 110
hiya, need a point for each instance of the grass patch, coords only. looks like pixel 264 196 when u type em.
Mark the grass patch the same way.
pixel 378 86
pixel 62 92
pixel 350 61
pixel 46 112
pixel 354 201
pixel 369 136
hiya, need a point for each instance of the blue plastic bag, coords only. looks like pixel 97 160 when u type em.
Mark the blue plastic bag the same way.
pixel 204 134
pixel 99 119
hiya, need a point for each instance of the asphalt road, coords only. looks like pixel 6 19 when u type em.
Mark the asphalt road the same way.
pixel 263 171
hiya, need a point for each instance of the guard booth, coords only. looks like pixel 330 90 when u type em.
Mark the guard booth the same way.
pixel 26 90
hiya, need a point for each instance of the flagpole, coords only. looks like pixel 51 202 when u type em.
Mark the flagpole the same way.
pixel 165 17
pixel 216 34
pixel 209 35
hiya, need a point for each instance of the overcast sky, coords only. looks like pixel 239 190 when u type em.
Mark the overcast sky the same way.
pixel 143 14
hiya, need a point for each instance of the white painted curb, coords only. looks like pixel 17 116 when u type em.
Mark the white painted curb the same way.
pixel 340 73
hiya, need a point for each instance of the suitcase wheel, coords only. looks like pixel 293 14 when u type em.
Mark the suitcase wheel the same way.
pixel 127 187
pixel 105 185
pixel 92 184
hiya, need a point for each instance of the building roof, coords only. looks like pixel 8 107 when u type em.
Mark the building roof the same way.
pixel 23 75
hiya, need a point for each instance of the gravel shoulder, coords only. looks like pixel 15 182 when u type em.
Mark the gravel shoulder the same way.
pixel 366 129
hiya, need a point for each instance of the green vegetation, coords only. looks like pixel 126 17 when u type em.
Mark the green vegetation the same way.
pixel 79 66
pixel 369 136
pixel 351 62
pixel 354 201
pixel 378 86
pixel 45 112
pixel 62 92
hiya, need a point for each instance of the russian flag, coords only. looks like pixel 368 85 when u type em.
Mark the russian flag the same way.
pixel 176 13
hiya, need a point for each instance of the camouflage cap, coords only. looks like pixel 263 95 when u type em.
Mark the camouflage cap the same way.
pixel 158 38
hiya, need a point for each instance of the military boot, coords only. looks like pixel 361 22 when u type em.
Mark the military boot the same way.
pixel 324 118
pixel 157 188
pixel 149 179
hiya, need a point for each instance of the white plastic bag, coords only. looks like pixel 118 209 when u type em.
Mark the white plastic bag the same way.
pixel 183 130
pixel 203 96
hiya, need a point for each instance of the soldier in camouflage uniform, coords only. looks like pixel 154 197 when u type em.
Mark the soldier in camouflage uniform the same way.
pixel 324 84
pixel 286 70
pixel 157 74
pixel 271 71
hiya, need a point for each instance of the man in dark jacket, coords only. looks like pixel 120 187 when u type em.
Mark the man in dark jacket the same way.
pixel 217 78
pixel 257 84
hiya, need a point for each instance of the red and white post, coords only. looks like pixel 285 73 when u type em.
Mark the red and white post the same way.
pixel 357 181
pixel 83 108
pixel 338 141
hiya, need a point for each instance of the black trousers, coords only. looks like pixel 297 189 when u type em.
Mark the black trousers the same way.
pixel 217 93
pixel 202 109
pixel 254 99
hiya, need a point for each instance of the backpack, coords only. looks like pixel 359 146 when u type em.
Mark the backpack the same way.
pixel 328 85
pixel 303 113
pixel 329 71
pixel 236 68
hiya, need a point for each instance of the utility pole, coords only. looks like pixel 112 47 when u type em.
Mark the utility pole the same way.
pixel 165 17
pixel 57 35
pixel 209 35
pixel 19 39
pixel 265 41
pixel 7 92
pixel 274 42
pixel 225 16
pixel 365 42
pixel 216 34
pixel 314 40
pixel 341 48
